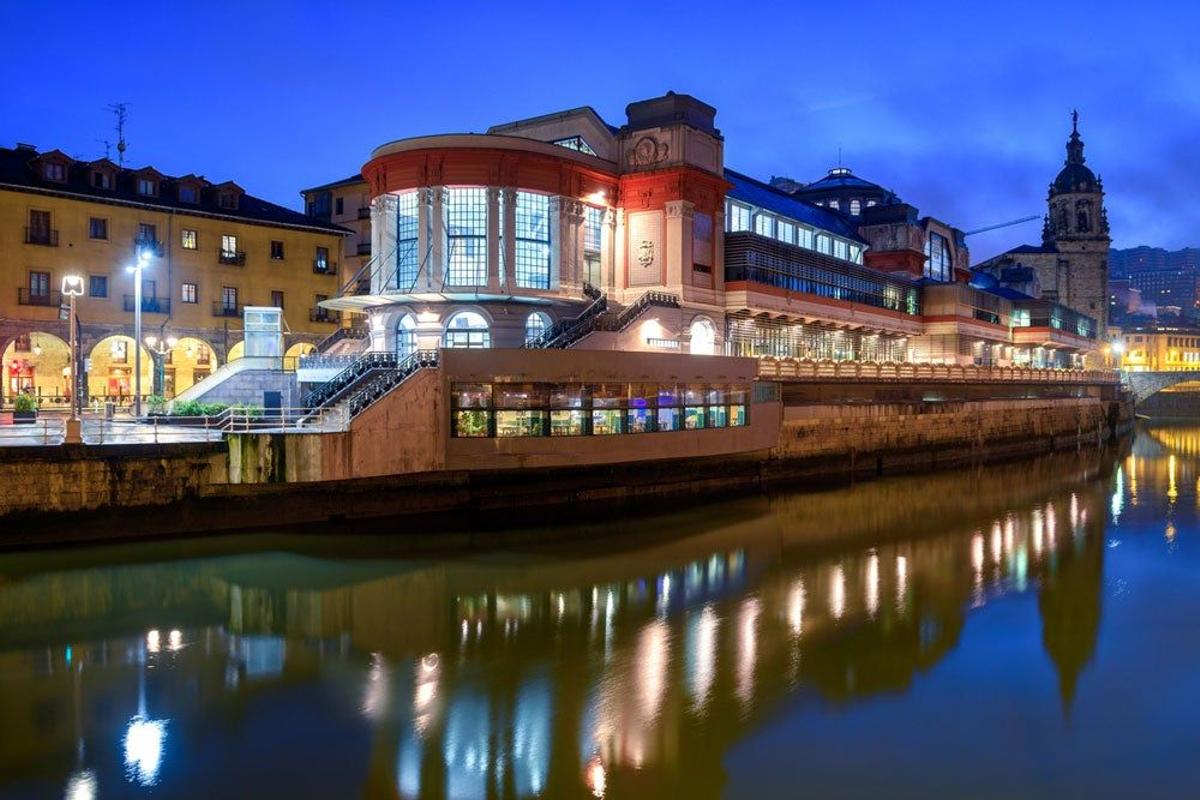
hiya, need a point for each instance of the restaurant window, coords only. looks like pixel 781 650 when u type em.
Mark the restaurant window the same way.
pixel 566 410
pixel 520 410
pixel 608 408
pixel 693 401
pixel 470 404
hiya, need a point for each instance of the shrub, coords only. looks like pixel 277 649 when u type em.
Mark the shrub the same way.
pixel 212 409
pixel 25 402
pixel 247 410
pixel 157 404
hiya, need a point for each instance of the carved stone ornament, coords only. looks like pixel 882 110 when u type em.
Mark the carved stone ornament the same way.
pixel 648 150
pixel 646 253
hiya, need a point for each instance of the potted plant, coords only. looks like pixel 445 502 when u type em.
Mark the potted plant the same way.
pixel 24 409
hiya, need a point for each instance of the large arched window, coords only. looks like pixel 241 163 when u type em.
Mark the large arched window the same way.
pixel 704 337
pixel 536 324
pixel 406 336
pixel 467 329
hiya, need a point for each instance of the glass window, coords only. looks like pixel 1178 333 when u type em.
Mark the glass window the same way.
pixel 187 293
pixel 321 259
pixel 407 263
pixel 97 228
pixel 466 237
pixel 593 225
pixel 276 250
pixel 805 237
pixel 575 143
pixel 229 245
pixel 406 336
pixel 277 298
pixel 511 424
pixel 718 416
pixel 97 286
pixel 785 231
pixel 937 257
pixel 532 218
pixel 608 402
pixel 147 186
pixel 764 225
pixel 841 249
pixel 187 239
pixel 737 217
pixel 54 172
pixel 229 297
pixel 467 329
pixel 536 324
pixel 566 409
pixel 470 402
pixel 824 244
pixel 188 194
pixel 855 207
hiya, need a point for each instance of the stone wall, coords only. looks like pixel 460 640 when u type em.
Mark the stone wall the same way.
pixel 72 478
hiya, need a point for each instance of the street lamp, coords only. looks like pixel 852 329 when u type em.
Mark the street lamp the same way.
pixel 143 261
pixel 160 348
pixel 72 287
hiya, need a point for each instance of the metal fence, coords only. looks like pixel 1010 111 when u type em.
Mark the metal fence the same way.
pixel 804 369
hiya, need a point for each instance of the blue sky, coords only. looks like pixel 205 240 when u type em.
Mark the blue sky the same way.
pixel 963 109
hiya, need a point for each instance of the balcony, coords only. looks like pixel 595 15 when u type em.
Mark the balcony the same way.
pixel 364 212
pixel 150 305
pixel 231 258
pixel 324 267
pixel 48 237
pixel 322 315
pixel 142 244
pixel 27 297
pixel 223 309
pixel 364 248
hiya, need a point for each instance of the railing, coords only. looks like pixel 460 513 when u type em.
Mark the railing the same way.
pixel 42 431
pixel 222 309
pixel 357 330
pixel 801 369
pixel 237 259
pixel 324 267
pixel 152 305
pixel 327 361
pixel 321 315
pixel 26 297
pixel 364 248
pixel 568 331
pixel 43 236
pixel 380 385
pixel 635 309
pixel 335 388
pixel 364 212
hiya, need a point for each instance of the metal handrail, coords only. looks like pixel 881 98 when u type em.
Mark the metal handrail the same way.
pixel 335 387
pixel 564 328
pixel 382 384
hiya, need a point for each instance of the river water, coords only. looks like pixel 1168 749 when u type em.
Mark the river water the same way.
pixel 1022 630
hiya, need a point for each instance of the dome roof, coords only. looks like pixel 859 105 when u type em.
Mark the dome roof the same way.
pixel 1074 176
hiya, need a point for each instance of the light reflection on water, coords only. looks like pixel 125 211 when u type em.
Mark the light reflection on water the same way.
pixel 664 658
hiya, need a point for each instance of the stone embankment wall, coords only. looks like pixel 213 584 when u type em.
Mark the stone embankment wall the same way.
pixel 64 493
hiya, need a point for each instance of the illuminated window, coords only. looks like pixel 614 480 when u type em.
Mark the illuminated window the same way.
pixel 593 222
pixel 187 293
pixel 937 257
pixel 407 262
pixel 469 330
pixel 575 143
pixel 466 237
pixel 406 336
pixel 824 244
pixel 785 232
pixel 805 239
pixel 276 250
pixel 855 207
pixel 532 217
pixel 737 217
pixel 536 324
pixel 764 224
pixel 187 239
pixel 229 245
pixel 840 249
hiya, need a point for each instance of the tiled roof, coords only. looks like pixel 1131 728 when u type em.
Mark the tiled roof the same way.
pixel 1031 248
pixel 765 196
pixel 20 170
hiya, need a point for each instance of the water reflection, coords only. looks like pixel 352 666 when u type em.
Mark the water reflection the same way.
pixel 627 666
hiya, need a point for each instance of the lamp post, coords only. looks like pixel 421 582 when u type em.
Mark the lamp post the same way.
pixel 160 348
pixel 72 287
pixel 143 260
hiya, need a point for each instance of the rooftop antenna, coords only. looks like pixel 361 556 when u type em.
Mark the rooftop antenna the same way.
pixel 839 156
pixel 107 148
pixel 119 110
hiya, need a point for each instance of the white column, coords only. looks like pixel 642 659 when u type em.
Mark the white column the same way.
pixel 608 248
pixel 438 252
pixel 571 232
pixel 494 256
pixel 377 215
pixel 425 238
pixel 386 258
pixel 559 259
pixel 509 240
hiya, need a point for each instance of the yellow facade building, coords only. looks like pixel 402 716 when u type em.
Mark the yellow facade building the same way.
pixel 213 249
pixel 1161 350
